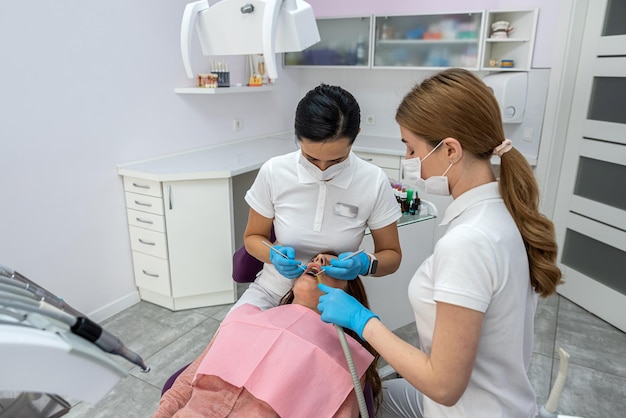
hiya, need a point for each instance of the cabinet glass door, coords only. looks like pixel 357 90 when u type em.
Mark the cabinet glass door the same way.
pixel 344 42
pixel 430 41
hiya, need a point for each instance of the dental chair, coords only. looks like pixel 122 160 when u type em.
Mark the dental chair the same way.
pixel 245 270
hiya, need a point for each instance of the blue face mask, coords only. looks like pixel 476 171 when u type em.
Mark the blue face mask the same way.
pixel 412 173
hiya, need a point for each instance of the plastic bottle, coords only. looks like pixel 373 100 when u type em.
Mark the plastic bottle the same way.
pixel 409 198
pixel 403 202
pixel 413 205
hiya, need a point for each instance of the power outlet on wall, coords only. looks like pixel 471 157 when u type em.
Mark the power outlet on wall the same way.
pixel 237 124
pixel 370 120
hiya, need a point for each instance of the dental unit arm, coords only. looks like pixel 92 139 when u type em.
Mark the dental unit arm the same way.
pixel 244 27
pixel 47 346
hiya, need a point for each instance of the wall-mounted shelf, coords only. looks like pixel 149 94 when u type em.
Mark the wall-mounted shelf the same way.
pixel 222 90
pixel 517 47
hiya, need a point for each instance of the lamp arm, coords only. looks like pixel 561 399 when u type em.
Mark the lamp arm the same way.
pixel 187 28
pixel 270 21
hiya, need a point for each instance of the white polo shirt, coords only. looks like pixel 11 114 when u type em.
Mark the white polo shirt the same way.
pixel 314 216
pixel 481 264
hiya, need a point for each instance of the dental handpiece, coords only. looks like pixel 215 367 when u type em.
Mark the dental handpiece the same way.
pixel 83 326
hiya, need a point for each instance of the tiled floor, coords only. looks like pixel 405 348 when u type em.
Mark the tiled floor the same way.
pixel 595 386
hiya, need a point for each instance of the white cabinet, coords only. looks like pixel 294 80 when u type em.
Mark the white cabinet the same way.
pixel 388 295
pixel 186 217
pixel 516 45
pixel 180 254
pixel 391 164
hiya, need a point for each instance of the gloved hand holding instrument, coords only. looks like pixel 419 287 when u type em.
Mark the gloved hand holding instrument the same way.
pixel 283 258
pixel 339 308
pixel 348 265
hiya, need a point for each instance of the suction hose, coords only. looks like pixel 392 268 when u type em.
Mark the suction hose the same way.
pixel 355 375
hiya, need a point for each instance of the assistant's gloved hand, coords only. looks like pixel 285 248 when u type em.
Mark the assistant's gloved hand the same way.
pixel 287 267
pixel 348 269
pixel 339 308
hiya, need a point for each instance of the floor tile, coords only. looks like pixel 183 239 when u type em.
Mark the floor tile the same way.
pixel 177 354
pixel 591 342
pixel 539 375
pixel 552 300
pixel 591 394
pixel 145 328
pixel 130 398
pixel 545 329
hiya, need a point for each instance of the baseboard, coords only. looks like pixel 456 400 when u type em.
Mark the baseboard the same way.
pixel 114 307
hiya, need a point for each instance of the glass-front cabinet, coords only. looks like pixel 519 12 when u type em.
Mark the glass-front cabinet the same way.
pixel 344 42
pixel 486 40
pixel 432 41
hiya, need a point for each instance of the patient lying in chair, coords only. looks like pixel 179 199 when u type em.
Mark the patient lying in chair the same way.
pixel 282 362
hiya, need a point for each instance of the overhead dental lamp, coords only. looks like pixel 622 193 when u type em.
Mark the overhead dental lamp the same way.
pixel 246 27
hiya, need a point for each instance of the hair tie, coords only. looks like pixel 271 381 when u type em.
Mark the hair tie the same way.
pixel 505 146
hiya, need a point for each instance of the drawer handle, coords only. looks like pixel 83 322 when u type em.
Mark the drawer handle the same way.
pixel 146 242
pixel 145 221
pixel 137 202
pixel 149 274
pixel 367 159
pixel 141 186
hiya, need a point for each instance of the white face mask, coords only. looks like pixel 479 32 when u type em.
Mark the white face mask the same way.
pixel 328 174
pixel 412 173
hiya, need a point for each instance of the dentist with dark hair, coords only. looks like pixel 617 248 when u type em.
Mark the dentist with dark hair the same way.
pixel 321 196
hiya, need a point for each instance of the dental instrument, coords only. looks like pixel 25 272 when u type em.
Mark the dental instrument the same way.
pixel 346 257
pixel 79 323
pixel 273 247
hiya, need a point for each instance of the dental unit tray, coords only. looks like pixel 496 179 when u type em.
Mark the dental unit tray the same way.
pixel 47 347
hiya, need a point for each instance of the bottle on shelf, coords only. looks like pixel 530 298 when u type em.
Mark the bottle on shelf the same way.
pixel 361 52
pixel 414 208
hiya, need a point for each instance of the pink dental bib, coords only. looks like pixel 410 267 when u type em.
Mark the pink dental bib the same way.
pixel 285 356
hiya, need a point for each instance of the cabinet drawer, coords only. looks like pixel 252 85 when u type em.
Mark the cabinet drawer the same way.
pixel 381 160
pixel 151 273
pixel 141 186
pixel 144 203
pixel 146 220
pixel 149 242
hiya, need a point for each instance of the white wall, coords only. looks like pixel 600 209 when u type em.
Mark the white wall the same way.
pixel 85 85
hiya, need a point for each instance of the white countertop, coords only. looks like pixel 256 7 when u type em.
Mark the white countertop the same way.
pixel 232 158
pixel 229 159
pixel 379 145
pixel 217 161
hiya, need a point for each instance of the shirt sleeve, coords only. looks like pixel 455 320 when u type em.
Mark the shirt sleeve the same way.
pixel 259 196
pixel 465 269
pixel 386 210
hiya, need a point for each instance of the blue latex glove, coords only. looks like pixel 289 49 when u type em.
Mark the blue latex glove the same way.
pixel 339 308
pixel 348 269
pixel 287 267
